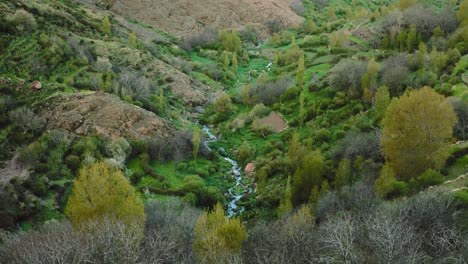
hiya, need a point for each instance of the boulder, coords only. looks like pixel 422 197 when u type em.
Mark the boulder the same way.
pixel 249 169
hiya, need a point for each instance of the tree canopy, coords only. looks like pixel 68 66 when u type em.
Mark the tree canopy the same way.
pixel 103 191
pixel 416 132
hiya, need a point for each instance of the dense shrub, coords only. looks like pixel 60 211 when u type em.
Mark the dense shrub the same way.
pixel 395 74
pixel 200 40
pixel 269 92
pixel 297 6
pixel 347 75
pixel 27 121
pixel 22 20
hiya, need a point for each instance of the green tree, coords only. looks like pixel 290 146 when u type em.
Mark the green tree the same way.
pixel 438 60
pixel 369 80
pixel 462 13
pixel 412 38
pixel 404 4
pixel 309 26
pixel 296 151
pixel 343 174
pixel 421 55
pixel 300 71
pixel 286 205
pixel 226 62
pixel 402 36
pixel 307 175
pixel 230 40
pixel 196 139
pixel 314 195
pixel 234 63
pixel 302 108
pixel 102 191
pixel 106 26
pixel 132 39
pixel 223 104
pixel 324 188
pixel 416 132
pixel 384 184
pixel 246 100
pixel 217 238
pixel 381 102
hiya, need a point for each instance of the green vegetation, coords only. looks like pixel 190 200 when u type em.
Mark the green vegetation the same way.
pixel 351 128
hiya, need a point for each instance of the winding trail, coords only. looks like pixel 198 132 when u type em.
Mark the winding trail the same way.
pixel 232 208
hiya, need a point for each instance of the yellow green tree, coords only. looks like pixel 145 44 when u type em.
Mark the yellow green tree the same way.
pixel 223 104
pixel 384 184
pixel 369 80
pixel 412 38
pixel 314 195
pixel 230 40
pixel 106 26
pixel 343 174
pixel 381 102
pixel 132 39
pixel 286 205
pixel 217 238
pixel 234 62
pixel 300 71
pixel 246 100
pixel 306 176
pixel 404 4
pixel 196 139
pixel 296 151
pixel 226 62
pixel 103 191
pixel 462 13
pixel 417 130
pixel 421 55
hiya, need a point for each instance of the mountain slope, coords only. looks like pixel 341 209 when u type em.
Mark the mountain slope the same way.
pixel 186 16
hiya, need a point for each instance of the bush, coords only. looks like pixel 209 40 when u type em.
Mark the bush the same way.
pixel 203 39
pixel 395 73
pixel 275 25
pixel 27 121
pixel 297 6
pixel 427 179
pixel 347 75
pixel 269 92
pixel 21 20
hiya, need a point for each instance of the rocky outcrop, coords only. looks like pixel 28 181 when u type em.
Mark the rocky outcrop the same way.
pixel 105 115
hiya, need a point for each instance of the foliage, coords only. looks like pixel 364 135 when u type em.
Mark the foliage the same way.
pixel 300 72
pixel 196 140
pixel 286 205
pixel 106 26
pixel 416 130
pixel 269 92
pixel 347 76
pixel 381 102
pixel 343 174
pixel 218 238
pixel 27 121
pixel 102 191
pixel 307 176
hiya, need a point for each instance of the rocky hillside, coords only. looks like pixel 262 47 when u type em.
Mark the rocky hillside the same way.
pixel 106 115
pixel 184 17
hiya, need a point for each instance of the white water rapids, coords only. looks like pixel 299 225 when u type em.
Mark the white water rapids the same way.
pixel 232 208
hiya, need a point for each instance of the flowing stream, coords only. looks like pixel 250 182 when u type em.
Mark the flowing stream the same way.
pixel 232 208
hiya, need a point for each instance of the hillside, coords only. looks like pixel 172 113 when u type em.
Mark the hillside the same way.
pixel 184 17
pixel 236 132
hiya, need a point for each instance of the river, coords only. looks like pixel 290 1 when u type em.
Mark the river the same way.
pixel 232 208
